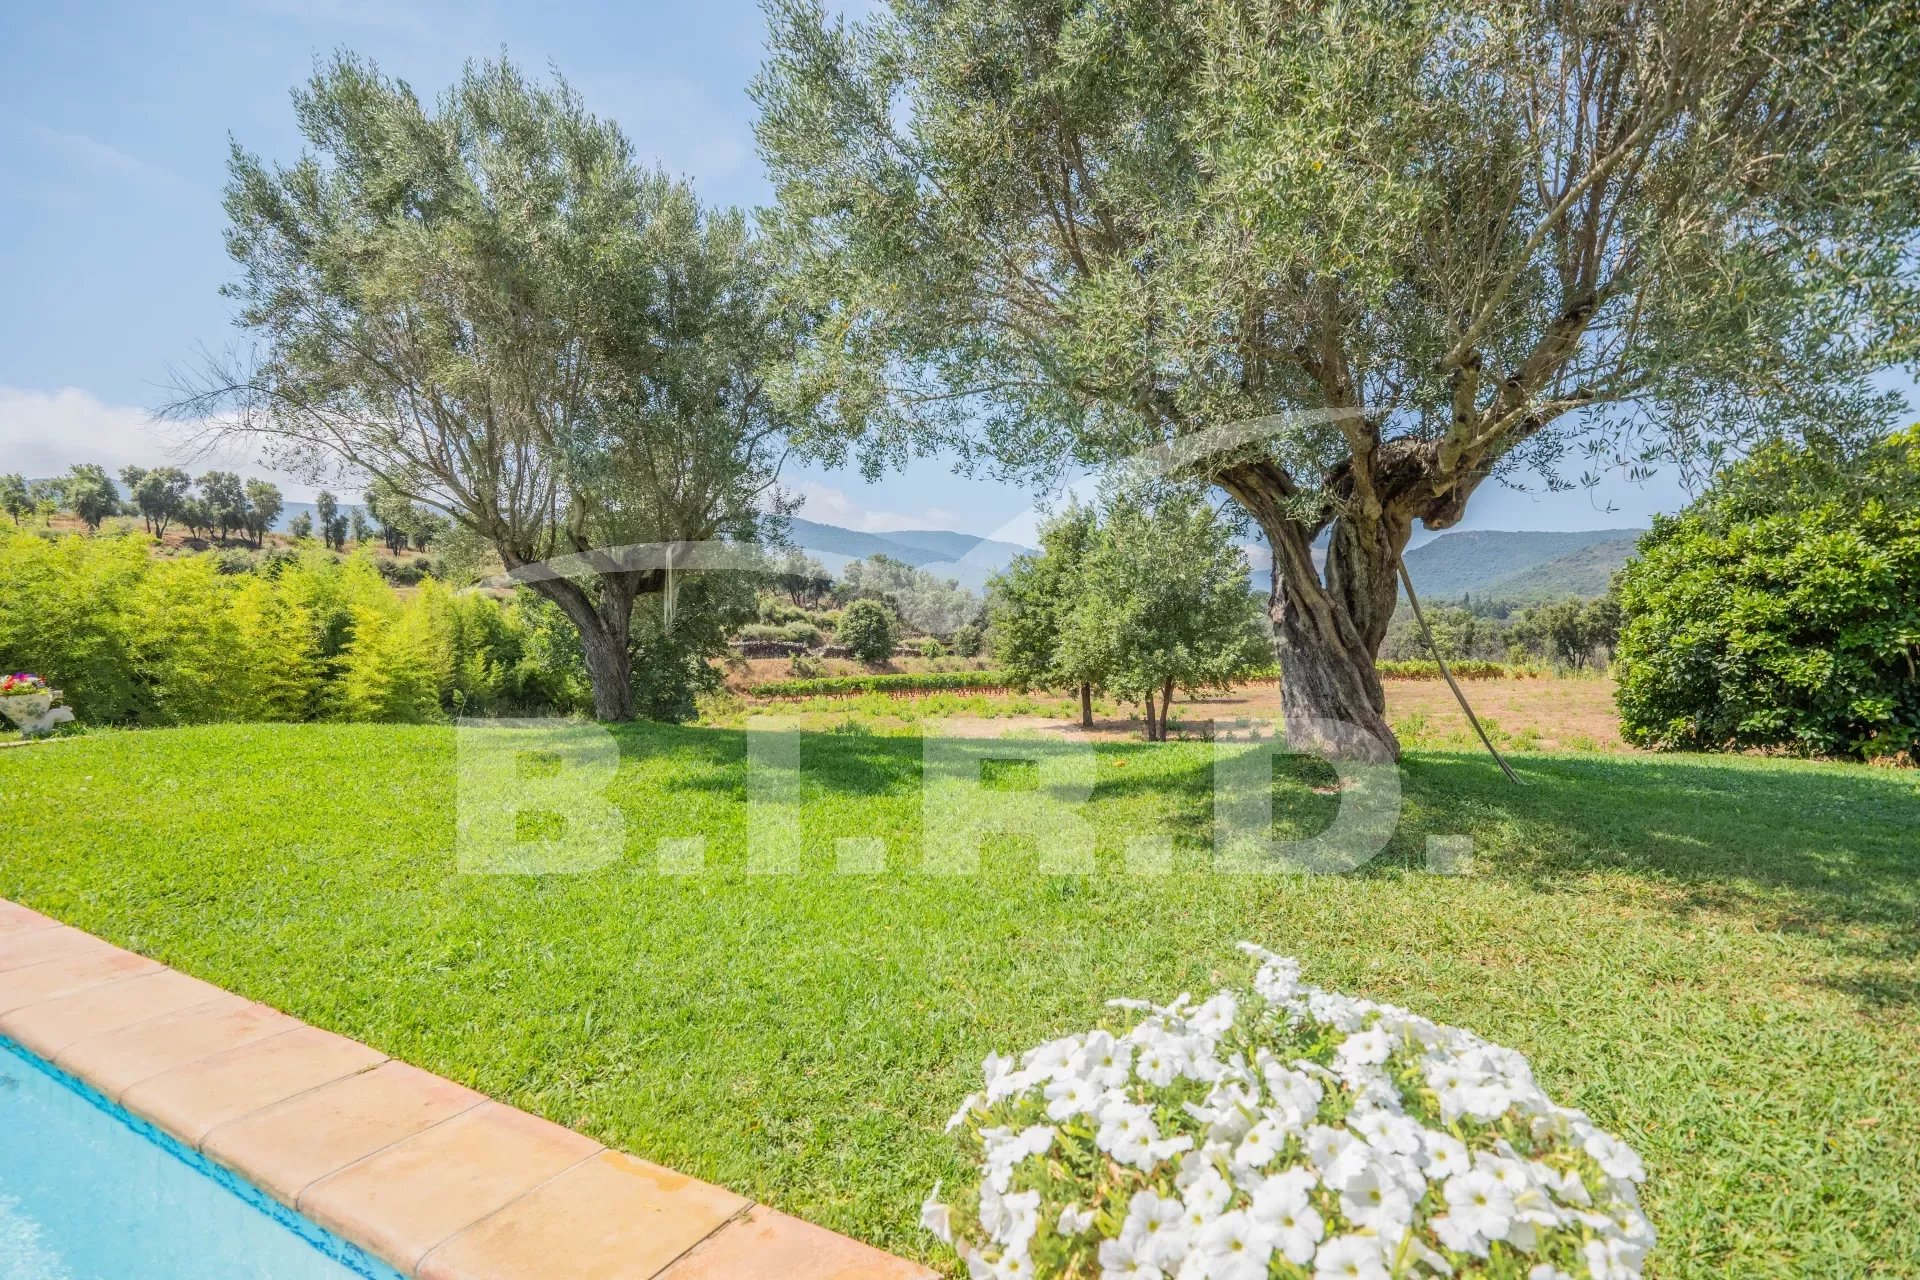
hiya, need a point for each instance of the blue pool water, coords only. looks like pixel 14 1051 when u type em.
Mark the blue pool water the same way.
pixel 88 1192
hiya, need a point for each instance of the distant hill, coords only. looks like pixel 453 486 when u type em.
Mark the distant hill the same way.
pixel 1585 572
pixel 1519 565
pixel 964 557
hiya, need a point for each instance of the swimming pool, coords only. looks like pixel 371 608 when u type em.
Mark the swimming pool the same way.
pixel 90 1192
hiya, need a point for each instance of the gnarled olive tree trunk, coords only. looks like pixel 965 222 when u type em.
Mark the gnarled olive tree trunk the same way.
pixel 604 619
pixel 1328 622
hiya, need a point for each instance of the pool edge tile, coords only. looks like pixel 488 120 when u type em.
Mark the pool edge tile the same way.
pixel 287 1147
pixel 34 984
pixel 16 920
pixel 193 1100
pixel 405 1201
pixel 51 1026
pixel 115 1061
pixel 612 1215
pixel 37 946
pixel 765 1244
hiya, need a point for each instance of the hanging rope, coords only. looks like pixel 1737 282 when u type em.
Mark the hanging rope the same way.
pixel 1452 684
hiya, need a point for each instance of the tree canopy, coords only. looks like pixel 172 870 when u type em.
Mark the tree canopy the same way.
pixel 1144 595
pixel 488 307
pixel 1353 258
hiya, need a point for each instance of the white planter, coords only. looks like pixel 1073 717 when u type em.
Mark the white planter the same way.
pixel 33 713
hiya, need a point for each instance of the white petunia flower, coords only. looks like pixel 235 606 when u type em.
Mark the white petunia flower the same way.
pixel 1118 1261
pixel 1073 1221
pixel 1055 1059
pixel 1104 1061
pixel 1615 1156
pixel 1350 1258
pixel 1480 1204
pixel 1070 1096
pixel 1446 1155
pixel 1127 1133
pixel 1364 1048
pixel 1372 1199
pixel 1235 1247
pixel 1155 1229
pixel 937 1217
pixel 1281 1205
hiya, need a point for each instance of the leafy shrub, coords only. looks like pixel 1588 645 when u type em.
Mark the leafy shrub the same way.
pixel 136 640
pixel 931 648
pixel 1782 609
pixel 968 641
pixel 869 631
pixel 1283 1130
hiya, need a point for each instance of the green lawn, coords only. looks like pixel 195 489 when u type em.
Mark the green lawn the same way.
pixel 1715 957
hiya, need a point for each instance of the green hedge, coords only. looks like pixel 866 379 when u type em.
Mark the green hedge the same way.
pixel 936 681
pixel 900 682
pixel 1463 669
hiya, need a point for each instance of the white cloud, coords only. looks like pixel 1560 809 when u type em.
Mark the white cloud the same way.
pixel 828 505
pixel 42 433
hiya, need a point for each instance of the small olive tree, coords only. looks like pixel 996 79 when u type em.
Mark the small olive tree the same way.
pixel 1408 246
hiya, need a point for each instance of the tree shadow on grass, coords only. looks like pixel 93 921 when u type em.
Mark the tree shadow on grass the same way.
pixel 1832 851
pixel 1826 851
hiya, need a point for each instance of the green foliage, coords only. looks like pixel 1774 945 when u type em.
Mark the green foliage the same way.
pixel 225 499
pixel 1782 609
pixel 1029 602
pixel 968 641
pixel 1572 633
pixel 926 603
pixel 14 498
pixel 1348 258
pixel 1146 595
pixel 1466 669
pixel 795 632
pixel 64 615
pixel 158 495
pixel 190 639
pixel 487 307
pixel 869 631
pixel 881 682
pixel 89 494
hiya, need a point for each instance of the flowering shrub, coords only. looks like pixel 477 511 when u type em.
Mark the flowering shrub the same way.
pixel 21 682
pixel 1285 1131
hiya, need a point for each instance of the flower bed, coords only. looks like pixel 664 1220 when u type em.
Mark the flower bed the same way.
pixel 1285 1131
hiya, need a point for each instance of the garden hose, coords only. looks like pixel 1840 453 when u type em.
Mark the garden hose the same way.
pixel 1447 673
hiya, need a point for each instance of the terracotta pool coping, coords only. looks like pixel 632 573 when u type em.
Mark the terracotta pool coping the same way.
pixel 428 1175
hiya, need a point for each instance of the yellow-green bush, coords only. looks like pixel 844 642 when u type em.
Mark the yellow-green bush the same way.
pixel 135 640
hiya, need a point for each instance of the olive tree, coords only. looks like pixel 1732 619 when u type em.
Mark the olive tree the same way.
pixel 87 491
pixel 1350 260
pixel 1028 604
pixel 488 309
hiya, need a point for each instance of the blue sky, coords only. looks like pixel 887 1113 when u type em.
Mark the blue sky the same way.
pixel 114 120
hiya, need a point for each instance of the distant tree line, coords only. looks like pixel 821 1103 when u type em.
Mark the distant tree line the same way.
pixel 1576 633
